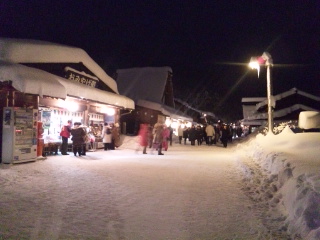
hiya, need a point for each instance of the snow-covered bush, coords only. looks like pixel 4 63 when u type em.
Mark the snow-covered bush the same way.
pixel 279 127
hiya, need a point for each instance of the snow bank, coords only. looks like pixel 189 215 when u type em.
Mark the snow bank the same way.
pixel 282 172
pixel 309 119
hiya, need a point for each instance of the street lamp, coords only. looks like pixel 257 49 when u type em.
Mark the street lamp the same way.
pixel 255 63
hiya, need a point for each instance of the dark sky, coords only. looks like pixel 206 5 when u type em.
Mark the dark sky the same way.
pixel 200 40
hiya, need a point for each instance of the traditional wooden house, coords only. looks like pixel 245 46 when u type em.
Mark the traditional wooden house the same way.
pixel 152 91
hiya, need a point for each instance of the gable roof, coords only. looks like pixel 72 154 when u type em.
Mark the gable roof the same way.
pixel 286 94
pixel 147 83
pixel 282 112
pixel 34 51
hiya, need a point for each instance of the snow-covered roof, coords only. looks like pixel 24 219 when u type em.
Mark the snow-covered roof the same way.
pixel 173 113
pixel 35 81
pixel 286 94
pixel 32 80
pixel 33 51
pixel 194 109
pixel 146 83
pixel 282 112
pixel 84 92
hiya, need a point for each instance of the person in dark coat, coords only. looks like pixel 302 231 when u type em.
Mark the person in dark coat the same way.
pixel 78 138
pixel 225 133
pixel 180 133
pixel 192 135
pixel 170 136
pixel 185 134
pixel 199 135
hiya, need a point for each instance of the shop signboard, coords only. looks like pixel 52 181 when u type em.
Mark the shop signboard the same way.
pixel 81 78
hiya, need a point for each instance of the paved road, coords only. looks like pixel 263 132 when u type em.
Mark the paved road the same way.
pixel 191 192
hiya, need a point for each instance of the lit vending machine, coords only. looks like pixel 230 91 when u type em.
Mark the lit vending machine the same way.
pixel 19 135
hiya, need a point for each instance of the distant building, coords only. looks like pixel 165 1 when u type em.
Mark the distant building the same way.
pixel 288 106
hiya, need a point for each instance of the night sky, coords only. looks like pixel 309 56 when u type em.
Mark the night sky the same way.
pixel 208 44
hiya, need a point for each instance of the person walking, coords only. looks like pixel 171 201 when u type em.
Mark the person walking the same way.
pixel 199 135
pixel 150 136
pixel 165 137
pixel 158 137
pixel 180 133
pixel 217 129
pixel 143 137
pixel 185 134
pixel 210 133
pixel 65 134
pixel 225 135
pixel 192 135
pixel 78 135
pixel 170 135
pixel 106 137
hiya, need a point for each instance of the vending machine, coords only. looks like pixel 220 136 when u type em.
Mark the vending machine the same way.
pixel 19 135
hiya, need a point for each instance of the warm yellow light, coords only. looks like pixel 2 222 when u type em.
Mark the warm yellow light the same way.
pixel 168 122
pixel 108 111
pixel 254 64
pixel 174 125
pixel 72 106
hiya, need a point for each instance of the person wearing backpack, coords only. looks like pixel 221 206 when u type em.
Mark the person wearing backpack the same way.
pixel 106 137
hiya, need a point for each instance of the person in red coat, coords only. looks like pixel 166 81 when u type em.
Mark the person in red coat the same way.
pixel 65 135
pixel 165 135
pixel 143 137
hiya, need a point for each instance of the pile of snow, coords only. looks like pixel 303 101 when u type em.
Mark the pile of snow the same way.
pixel 283 173
pixel 309 119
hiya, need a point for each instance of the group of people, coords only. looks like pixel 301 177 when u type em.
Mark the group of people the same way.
pixel 209 134
pixel 158 137
pixel 80 137
pixel 77 135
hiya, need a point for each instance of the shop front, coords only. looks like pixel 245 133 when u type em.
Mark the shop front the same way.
pixel 53 101
pixel 55 113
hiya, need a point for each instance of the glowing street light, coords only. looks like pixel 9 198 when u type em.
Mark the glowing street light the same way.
pixel 255 63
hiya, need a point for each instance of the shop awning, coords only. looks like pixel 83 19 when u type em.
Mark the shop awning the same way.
pixel 78 90
pixel 35 81
pixel 32 80
pixel 169 111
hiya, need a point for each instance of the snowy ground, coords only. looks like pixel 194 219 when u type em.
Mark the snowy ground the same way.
pixel 192 192
pixel 282 173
